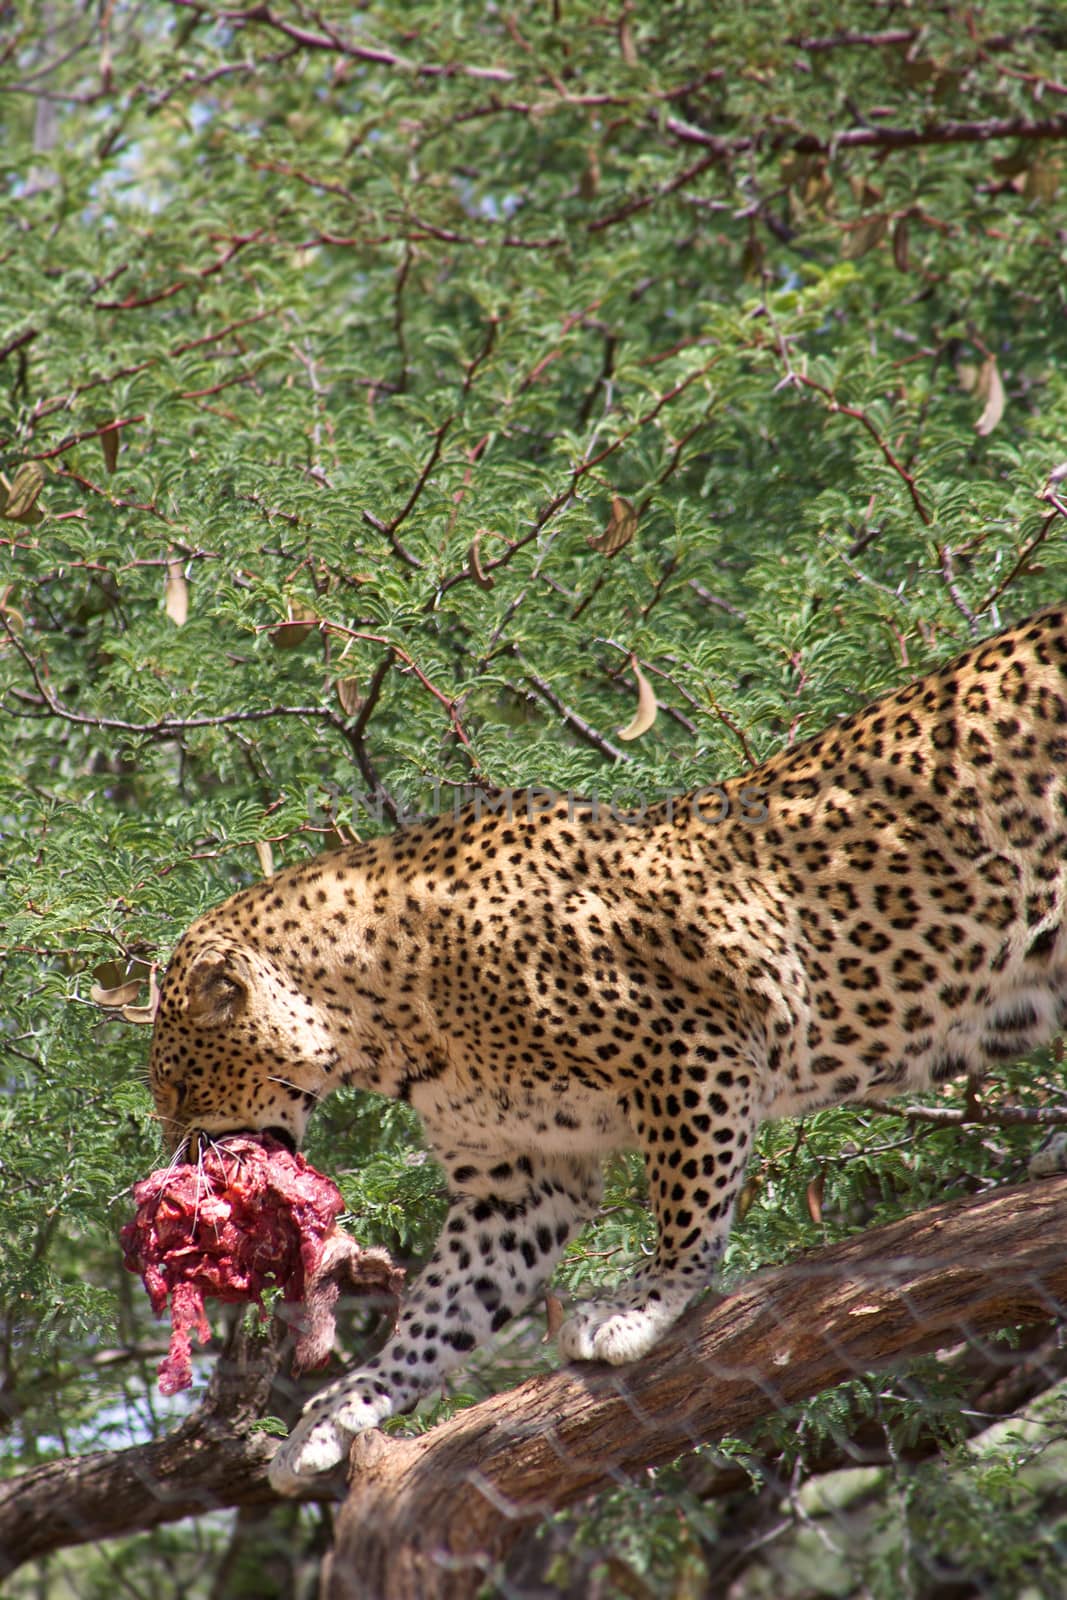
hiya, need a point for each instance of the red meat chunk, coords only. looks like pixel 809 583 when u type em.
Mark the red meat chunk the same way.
pixel 248 1216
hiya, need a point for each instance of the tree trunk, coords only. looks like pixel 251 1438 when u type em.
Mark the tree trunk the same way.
pixel 431 1518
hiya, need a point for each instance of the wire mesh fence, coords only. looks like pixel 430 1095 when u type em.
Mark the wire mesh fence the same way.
pixel 884 1416
pixel 407 401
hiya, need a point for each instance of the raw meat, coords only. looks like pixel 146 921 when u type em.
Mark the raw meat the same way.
pixel 248 1216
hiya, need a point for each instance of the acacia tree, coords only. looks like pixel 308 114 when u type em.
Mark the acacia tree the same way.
pixel 386 394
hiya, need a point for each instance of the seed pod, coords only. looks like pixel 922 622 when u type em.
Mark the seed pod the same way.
pixel 483 579
pixel 746 1198
pixel 175 591
pixel 24 493
pixel 109 444
pixel 991 390
pixel 291 633
pixel 645 714
pixel 124 994
pixel 621 527
pixel 144 1014
pixel 348 695
pixel 864 235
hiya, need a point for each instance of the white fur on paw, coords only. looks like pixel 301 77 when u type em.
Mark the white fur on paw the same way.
pixel 607 1334
pixel 311 1448
pixel 320 1441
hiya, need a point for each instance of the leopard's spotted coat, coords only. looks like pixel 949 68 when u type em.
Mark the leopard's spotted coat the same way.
pixel 546 988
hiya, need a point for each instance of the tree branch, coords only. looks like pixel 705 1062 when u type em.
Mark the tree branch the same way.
pixel 833 404
pixel 430 1518
pixel 974 1115
pixel 584 729
pixel 873 138
pixel 46 704
pixel 209 1463
pixel 330 40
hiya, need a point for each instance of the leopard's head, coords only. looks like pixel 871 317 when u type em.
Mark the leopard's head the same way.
pixel 236 1045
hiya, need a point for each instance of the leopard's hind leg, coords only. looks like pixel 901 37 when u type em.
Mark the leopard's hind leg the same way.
pixel 696 1138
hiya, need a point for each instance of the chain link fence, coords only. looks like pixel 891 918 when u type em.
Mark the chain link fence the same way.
pixel 885 1416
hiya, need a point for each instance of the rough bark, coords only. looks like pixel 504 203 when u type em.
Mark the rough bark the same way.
pixel 210 1462
pixel 430 1518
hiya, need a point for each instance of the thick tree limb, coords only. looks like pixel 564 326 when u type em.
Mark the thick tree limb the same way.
pixel 429 1518
pixel 210 1462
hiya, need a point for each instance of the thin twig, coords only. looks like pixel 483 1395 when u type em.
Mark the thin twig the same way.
pixel 945 555
pixel 330 39
pixel 1023 560
pixel 165 727
pixel 715 600
pixel 584 729
pixel 737 731
pixel 451 705
pixel 835 405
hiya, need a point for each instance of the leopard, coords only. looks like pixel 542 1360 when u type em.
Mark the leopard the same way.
pixel 866 913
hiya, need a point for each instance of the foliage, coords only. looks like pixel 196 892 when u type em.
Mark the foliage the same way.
pixel 338 348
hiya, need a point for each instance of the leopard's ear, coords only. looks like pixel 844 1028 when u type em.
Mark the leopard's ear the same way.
pixel 216 988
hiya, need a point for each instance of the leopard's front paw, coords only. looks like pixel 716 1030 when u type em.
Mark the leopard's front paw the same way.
pixel 321 1440
pixel 611 1333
